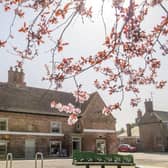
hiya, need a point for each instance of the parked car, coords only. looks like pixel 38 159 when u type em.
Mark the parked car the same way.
pixel 126 148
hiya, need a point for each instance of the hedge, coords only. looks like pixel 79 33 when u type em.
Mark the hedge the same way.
pixel 95 157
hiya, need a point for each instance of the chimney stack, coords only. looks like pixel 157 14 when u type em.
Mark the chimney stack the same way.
pixel 16 77
pixel 10 75
pixel 129 130
pixel 139 116
pixel 148 106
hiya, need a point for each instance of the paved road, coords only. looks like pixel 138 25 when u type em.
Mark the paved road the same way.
pixel 142 160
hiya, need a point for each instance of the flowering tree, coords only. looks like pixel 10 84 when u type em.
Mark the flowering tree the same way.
pixel 127 42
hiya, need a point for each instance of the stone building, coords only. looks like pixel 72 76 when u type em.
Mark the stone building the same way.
pixel 132 138
pixel 131 134
pixel 28 124
pixel 154 129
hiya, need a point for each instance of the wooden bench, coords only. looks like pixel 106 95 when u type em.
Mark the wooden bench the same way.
pixel 104 165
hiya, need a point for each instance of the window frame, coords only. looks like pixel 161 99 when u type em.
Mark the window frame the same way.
pixel 55 122
pixel 99 141
pixel 6 120
pixel 5 144
pixel 55 142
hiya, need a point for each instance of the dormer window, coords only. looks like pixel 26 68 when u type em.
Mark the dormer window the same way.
pixel 78 127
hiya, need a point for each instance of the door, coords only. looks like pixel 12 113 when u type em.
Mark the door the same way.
pixel 29 148
pixel 76 143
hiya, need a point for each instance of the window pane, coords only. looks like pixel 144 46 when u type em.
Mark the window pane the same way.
pixel 100 146
pixel 55 147
pixel 56 127
pixel 3 125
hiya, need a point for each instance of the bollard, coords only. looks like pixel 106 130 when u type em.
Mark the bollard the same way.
pixel 41 157
pixel 9 156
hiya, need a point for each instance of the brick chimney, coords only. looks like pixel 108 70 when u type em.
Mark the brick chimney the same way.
pixel 148 106
pixel 129 130
pixel 16 77
pixel 139 116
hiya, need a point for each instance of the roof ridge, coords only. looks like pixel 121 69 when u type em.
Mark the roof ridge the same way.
pixel 155 111
pixel 40 88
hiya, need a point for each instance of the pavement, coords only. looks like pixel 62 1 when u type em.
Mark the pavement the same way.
pixel 142 160
pixel 55 163
pixel 150 160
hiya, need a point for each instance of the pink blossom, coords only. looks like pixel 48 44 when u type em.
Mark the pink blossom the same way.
pixel 106 111
pixel 66 109
pixel 53 104
pixel 117 3
pixel 59 106
pixel 70 108
pixel 77 110
pixel 72 119
pixel 81 96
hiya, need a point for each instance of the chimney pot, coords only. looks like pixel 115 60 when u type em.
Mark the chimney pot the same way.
pixel 16 77
pixel 139 116
pixel 129 130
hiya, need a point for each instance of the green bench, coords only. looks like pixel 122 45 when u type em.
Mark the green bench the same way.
pixel 94 160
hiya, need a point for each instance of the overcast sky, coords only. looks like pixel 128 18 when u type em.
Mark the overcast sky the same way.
pixel 85 39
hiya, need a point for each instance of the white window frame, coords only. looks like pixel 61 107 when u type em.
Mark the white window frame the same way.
pixel 104 142
pixel 57 142
pixel 55 122
pixel 4 143
pixel 6 120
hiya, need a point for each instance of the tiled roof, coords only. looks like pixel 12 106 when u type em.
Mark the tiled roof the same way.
pixel 34 100
pixel 154 117
pixel 161 115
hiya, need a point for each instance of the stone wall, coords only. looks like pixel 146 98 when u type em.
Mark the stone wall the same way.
pixel 33 122
pixel 92 119
pixel 152 137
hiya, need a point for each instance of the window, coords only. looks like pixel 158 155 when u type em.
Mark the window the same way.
pixel 55 148
pixel 100 146
pixel 56 127
pixel 138 140
pixel 3 124
pixel 3 147
pixel 167 124
pixel 78 128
